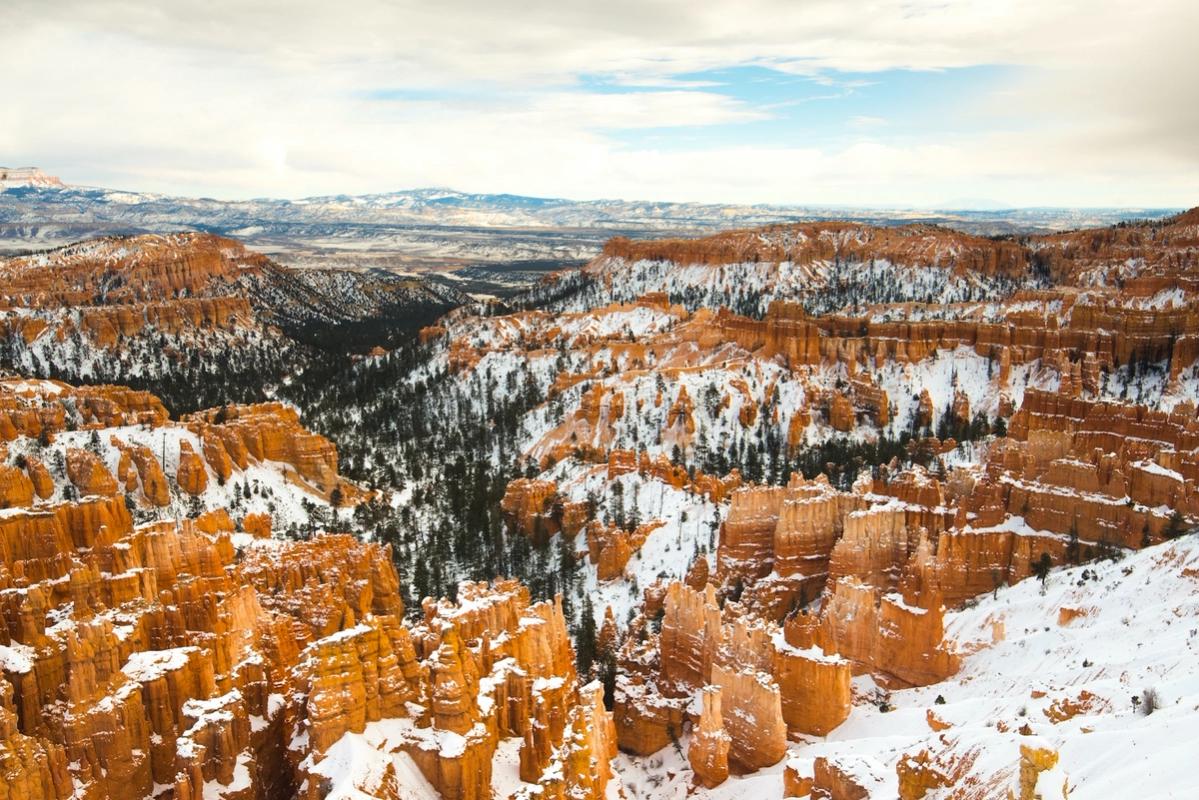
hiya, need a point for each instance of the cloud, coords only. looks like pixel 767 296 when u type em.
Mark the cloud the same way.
pixel 283 98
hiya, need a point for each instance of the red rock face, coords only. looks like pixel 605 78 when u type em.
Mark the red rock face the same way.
pixel 610 548
pixel 270 432
pixel 148 472
pixel 754 686
pixel 257 525
pixel 154 267
pixel 533 508
pixel 831 781
pixel 172 284
pixel 88 473
pixel 302 637
pixel 708 753
pixel 916 245
pixel 1165 251
pixel 776 542
pixel 16 489
pixel 191 476
pixel 39 408
pixel 886 635
pixel 755 724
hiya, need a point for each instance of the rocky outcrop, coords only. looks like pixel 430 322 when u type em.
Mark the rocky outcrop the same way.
pixel 265 432
pixel 16 489
pixel 841 414
pixel 257 525
pixel 152 267
pixel 777 541
pixel 755 721
pixel 39 478
pixel 191 475
pixel 180 665
pixel 360 675
pixel 833 780
pixel 533 508
pixel 40 408
pixel 886 635
pixel 816 691
pixel 916 245
pixel 610 548
pixel 753 684
pixel 88 473
pixel 708 752
pixel 149 475
pixel 658 467
pixel 160 660
pixel 1034 761
pixel 33 767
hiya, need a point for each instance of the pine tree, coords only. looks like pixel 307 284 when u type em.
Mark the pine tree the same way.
pixel 585 644
pixel 420 580
pixel 607 647
pixel 1041 569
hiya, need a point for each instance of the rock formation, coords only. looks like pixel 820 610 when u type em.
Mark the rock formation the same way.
pixel 178 664
pixel 708 753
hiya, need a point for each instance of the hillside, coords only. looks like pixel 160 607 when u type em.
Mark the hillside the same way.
pixel 195 317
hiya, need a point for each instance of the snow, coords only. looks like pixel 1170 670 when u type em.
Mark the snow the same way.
pixel 1154 468
pixel 357 763
pixel 210 708
pixel 688 531
pixel 149 665
pixel 214 790
pixel 753 286
pixel 17 658
pixel 1140 632
pixel 812 653
pixel 541 685
pixel 505 768
pixel 343 635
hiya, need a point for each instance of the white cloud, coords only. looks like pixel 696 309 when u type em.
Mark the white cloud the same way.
pixel 273 98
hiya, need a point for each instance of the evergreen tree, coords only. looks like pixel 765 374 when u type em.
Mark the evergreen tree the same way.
pixel 1041 569
pixel 607 648
pixel 585 644
pixel 1174 528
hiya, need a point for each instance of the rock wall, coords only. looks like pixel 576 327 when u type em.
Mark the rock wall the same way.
pixel 916 245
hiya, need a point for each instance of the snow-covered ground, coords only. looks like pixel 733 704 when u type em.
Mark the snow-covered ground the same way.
pixel 1134 643
pixel 689 530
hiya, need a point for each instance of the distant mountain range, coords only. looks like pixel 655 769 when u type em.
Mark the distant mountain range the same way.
pixel 441 229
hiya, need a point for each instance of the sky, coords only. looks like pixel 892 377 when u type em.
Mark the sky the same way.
pixel 914 103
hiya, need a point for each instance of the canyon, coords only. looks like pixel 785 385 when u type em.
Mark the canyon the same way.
pixel 816 509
